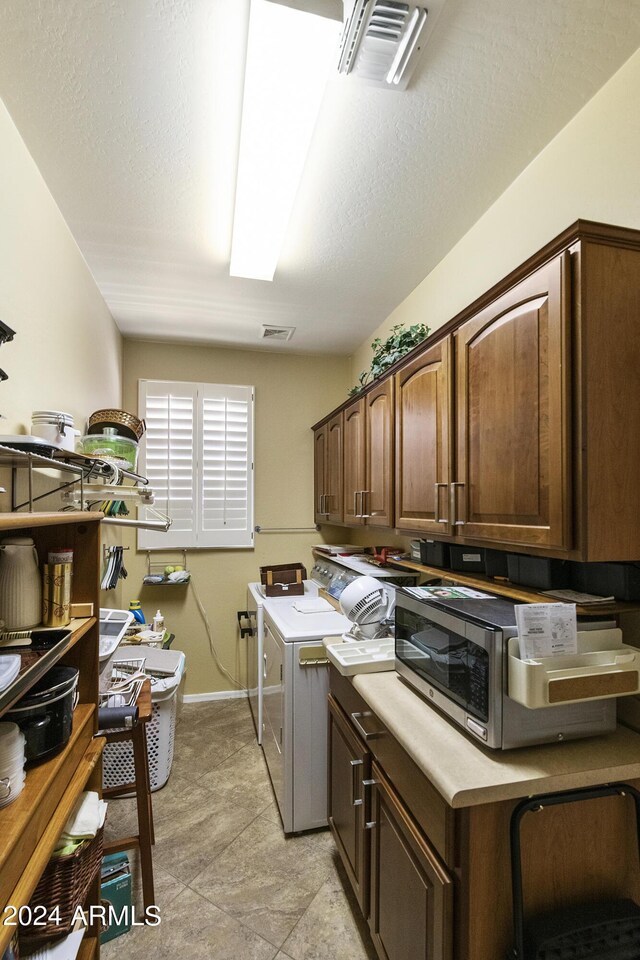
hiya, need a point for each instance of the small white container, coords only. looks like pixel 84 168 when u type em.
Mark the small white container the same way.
pixel 56 427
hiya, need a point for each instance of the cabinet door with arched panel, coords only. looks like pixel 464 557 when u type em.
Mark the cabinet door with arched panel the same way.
pixel 513 415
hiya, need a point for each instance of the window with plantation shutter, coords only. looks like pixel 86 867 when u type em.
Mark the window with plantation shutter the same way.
pixel 197 454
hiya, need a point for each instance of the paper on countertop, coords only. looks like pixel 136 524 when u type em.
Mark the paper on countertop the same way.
pixel 312 605
pixel 575 596
pixel 546 629
pixel 448 593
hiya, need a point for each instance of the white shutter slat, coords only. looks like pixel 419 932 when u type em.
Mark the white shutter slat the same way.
pixel 227 468
pixel 170 460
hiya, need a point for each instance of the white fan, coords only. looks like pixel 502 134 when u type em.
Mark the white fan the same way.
pixel 365 602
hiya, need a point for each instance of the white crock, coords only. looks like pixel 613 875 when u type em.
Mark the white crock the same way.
pixel 20 587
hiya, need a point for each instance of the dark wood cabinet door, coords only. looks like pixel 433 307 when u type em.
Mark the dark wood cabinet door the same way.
pixel 354 462
pixel 513 406
pixel 349 765
pixel 423 441
pixel 319 472
pixel 333 474
pixel 378 497
pixel 411 892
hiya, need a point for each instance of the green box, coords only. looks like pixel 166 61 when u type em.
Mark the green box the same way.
pixel 115 891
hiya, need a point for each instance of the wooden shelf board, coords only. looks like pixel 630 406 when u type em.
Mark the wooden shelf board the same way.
pixel 45 846
pixel 504 588
pixel 79 627
pixel 23 822
pixel 21 521
pixel 88 948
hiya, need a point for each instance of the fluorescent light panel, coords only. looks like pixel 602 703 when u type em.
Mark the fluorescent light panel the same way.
pixel 289 56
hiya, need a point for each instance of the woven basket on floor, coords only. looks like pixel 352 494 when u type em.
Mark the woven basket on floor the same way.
pixel 64 885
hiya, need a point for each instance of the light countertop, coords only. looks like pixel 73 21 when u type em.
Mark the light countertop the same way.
pixel 467 775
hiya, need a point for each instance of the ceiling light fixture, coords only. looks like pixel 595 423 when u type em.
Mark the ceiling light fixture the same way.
pixel 289 56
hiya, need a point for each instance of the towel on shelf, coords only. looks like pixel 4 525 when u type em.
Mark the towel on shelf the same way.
pixel 87 818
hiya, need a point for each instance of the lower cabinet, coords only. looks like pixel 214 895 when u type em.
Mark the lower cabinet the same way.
pixel 402 888
pixel 411 892
pixel 405 850
pixel 349 769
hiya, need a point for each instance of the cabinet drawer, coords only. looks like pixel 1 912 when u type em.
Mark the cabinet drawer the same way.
pixel 428 808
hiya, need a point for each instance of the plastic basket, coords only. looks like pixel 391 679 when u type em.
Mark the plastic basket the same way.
pixel 63 887
pixel 118 764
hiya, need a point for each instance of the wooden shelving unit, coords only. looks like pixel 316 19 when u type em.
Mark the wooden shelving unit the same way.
pixel 504 588
pixel 30 827
pixel 88 949
pixel 47 660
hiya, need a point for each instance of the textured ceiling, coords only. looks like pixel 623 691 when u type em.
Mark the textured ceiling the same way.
pixel 131 111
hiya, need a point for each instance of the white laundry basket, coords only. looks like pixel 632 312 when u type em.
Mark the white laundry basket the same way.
pixel 118 766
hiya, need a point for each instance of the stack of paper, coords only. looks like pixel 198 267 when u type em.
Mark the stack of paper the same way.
pixel 574 596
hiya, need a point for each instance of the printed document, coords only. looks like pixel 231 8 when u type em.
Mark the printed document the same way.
pixel 546 629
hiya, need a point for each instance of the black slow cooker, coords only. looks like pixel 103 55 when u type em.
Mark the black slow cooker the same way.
pixel 45 713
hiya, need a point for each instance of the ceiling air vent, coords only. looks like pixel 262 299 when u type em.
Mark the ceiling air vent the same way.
pixel 277 333
pixel 382 40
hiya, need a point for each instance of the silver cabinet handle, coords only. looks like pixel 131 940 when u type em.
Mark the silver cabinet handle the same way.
pixel 355 503
pixel 356 720
pixel 363 494
pixel 369 824
pixel 437 509
pixel 455 521
pixel 354 765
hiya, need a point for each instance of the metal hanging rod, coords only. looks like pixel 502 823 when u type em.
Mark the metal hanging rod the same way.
pixel 259 529
pixel 106 550
pixel 139 524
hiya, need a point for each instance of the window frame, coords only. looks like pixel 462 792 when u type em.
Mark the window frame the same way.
pixel 198 538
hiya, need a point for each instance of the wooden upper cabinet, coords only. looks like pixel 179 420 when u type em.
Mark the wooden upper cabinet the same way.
pixel 354 478
pixel 333 471
pixel 319 468
pixel 513 406
pixel 379 422
pixel 328 494
pixel 423 441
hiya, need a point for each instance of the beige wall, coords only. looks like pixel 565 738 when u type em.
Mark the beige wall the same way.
pixel 67 352
pixel 589 171
pixel 291 394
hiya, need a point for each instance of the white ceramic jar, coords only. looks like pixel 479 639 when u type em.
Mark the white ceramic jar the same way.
pixel 56 427
pixel 20 587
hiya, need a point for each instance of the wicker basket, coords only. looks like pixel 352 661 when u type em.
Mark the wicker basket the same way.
pixel 133 426
pixel 64 885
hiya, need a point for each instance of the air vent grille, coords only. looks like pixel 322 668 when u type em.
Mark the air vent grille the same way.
pixel 277 333
pixel 381 42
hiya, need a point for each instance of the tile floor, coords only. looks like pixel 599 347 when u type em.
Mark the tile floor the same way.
pixel 229 885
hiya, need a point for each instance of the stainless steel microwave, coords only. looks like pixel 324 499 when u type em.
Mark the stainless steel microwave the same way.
pixel 454 652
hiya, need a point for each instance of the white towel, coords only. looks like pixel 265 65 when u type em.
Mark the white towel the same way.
pixel 312 605
pixel 88 816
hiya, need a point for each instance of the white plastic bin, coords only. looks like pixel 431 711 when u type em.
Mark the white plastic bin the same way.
pixel 118 766
pixel 604 667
